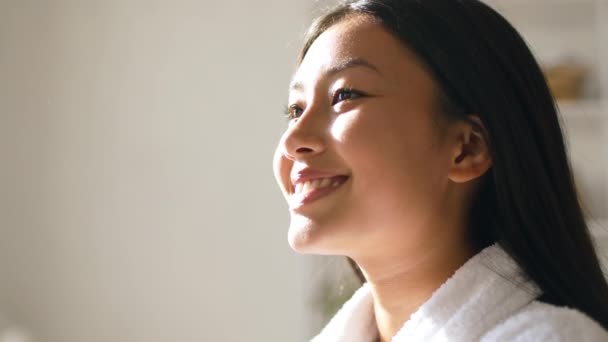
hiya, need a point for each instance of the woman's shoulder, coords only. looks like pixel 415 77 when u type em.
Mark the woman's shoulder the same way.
pixel 539 321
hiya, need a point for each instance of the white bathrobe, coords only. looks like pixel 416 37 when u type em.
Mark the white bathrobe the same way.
pixel 487 299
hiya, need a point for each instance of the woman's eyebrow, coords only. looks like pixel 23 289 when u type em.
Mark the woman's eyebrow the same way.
pixel 351 63
pixel 339 67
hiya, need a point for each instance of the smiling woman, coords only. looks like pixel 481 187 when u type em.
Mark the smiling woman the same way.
pixel 424 145
pixel 362 114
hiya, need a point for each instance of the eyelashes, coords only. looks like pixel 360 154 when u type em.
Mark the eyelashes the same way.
pixel 344 94
pixel 294 111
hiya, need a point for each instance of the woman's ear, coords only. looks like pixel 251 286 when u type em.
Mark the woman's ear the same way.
pixel 471 157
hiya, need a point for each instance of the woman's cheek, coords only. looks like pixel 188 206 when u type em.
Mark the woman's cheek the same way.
pixel 352 127
pixel 342 128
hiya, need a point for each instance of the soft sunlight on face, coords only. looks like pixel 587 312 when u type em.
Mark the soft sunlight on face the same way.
pixel 363 120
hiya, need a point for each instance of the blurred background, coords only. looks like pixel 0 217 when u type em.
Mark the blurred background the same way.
pixel 137 201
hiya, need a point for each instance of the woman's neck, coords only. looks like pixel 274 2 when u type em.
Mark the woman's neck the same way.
pixel 400 284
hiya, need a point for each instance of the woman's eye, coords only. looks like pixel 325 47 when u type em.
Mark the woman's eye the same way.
pixel 293 112
pixel 345 94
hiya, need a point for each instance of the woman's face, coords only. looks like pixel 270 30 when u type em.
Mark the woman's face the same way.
pixel 362 163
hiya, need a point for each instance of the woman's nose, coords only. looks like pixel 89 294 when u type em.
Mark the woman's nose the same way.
pixel 305 137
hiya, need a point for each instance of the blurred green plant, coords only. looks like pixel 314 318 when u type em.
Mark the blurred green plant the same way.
pixel 335 289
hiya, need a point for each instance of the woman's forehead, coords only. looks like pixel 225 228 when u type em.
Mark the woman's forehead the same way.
pixel 359 41
pixel 351 38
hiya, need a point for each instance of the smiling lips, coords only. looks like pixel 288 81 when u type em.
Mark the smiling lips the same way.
pixel 309 190
pixel 306 186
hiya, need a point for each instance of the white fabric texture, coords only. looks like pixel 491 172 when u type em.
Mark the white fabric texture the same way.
pixel 487 299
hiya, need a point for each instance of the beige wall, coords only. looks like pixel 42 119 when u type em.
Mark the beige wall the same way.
pixel 137 199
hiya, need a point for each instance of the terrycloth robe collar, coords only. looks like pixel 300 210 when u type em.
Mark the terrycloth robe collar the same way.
pixel 486 290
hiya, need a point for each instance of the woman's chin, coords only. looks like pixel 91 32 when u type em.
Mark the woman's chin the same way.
pixel 302 240
pixel 308 240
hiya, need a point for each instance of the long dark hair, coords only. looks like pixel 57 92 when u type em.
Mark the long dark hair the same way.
pixel 528 202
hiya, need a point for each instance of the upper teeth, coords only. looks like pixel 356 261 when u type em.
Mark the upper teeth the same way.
pixel 316 183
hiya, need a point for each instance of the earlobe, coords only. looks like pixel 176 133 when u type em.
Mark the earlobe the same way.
pixel 472 157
